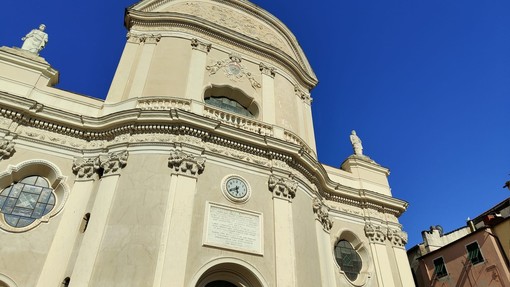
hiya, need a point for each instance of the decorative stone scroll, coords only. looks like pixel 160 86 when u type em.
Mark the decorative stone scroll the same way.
pixel 200 46
pixel 266 70
pixel 283 188
pixel 6 149
pixel 398 238
pixel 322 214
pixel 85 168
pixel 184 163
pixel 376 234
pixel 112 163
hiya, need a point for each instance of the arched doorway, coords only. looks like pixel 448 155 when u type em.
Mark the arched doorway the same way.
pixel 228 272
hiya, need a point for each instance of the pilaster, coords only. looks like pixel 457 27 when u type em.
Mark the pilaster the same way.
pixel 196 71
pixel 147 46
pixel 268 93
pixel 109 167
pixel 377 237
pixel 398 239
pixel 322 228
pixel 174 242
pixel 68 231
pixel 284 190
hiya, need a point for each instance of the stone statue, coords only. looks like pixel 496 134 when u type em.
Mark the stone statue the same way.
pixel 35 40
pixel 356 143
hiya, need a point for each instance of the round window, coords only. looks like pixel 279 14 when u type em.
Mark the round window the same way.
pixel 348 259
pixel 27 200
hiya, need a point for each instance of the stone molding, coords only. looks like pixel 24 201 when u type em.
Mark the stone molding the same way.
pixel 284 188
pixel 186 164
pixel 6 149
pixel 200 46
pixel 108 164
pixel 322 214
pixel 376 234
pixel 266 70
pixel 398 238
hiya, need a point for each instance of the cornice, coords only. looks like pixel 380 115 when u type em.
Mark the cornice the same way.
pixel 85 133
pixel 160 20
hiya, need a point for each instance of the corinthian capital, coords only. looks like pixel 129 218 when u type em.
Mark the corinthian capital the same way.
pixel 376 234
pixel 322 214
pixel 85 168
pixel 398 238
pixel 284 188
pixel 112 163
pixel 6 149
pixel 266 70
pixel 184 163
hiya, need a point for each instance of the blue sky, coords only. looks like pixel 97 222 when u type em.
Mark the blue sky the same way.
pixel 425 84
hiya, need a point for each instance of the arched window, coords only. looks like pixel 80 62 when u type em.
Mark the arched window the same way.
pixel 231 100
pixel 348 259
pixel 27 200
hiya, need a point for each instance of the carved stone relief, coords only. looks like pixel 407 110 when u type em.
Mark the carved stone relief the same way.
pixel 200 46
pixel 108 164
pixel 322 214
pixel 376 234
pixel 233 20
pixel 183 163
pixel 397 237
pixel 6 149
pixel 112 163
pixel 305 96
pixel 284 188
pixel 85 168
pixel 233 69
pixel 143 38
pixel 266 70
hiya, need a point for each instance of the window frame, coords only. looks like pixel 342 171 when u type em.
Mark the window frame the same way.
pixel 444 272
pixel 479 256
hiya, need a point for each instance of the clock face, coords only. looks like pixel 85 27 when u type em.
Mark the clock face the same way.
pixel 236 188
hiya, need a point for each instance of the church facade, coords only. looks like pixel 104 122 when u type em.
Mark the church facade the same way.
pixel 198 169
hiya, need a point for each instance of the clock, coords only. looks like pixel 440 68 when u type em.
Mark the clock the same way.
pixel 235 188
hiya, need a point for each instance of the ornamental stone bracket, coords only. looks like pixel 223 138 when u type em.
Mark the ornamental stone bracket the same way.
pixel 112 163
pixel 376 234
pixel 266 70
pixel 186 164
pixel 143 38
pixel 283 188
pixel 398 238
pixel 104 165
pixel 322 214
pixel 200 46
pixel 6 149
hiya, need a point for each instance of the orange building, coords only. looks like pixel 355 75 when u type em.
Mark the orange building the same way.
pixel 474 255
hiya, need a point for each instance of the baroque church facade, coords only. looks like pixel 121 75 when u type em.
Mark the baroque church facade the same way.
pixel 198 169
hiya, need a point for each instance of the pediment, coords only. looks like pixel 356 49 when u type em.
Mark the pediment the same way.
pixel 239 16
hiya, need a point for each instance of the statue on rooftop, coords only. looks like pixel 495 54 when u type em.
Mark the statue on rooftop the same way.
pixel 356 143
pixel 35 40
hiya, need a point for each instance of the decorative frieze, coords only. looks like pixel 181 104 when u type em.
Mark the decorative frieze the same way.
pixel 184 163
pixel 376 234
pixel 322 214
pixel 112 163
pixel 284 188
pixel 233 69
pixel 6 149
pixel 200 46
pixel 85 168
pixel 398 238
pixel 266 70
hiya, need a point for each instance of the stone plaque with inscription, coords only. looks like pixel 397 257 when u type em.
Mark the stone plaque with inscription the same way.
pixel 233 228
